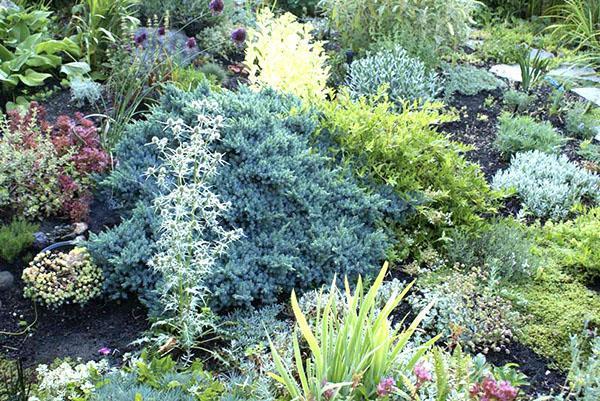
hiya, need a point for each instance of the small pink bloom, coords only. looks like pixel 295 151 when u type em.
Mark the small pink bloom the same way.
pixel 104 351
pixel 422 373
pixel 386 386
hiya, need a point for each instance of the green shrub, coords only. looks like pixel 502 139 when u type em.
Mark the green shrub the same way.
pixel 302 219
pixel 575 245
pixel 582 121
pixel 405 151
pixel 360 23
pixel 405 78
pixel 523 133
pixel 469 80
pixel 589 151
pixel 548 185
pixel 516 100
pixel 55 279
pixel 15 238
pixel 504 248
pixel 298 7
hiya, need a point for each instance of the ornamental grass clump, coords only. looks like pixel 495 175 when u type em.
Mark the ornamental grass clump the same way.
pixel 56 279
pixel 354 351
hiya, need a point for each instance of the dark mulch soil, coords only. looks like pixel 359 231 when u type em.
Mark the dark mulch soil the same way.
pixel 542 380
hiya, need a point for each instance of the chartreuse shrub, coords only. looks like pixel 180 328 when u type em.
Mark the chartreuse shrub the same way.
pixel 55 279
pixel 361 23
pixel 523 133
pixel 302 219
pixel 548 185
pixel 575 244
pixel 355 352
pixel 405 151
pixel 281 53
pixel 16 237
pixel 406 79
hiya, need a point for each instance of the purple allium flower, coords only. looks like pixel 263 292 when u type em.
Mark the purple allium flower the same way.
pixel 386 386
pixel 141 38
pixel 506 392
pixel 422 373
pixel 104 351
pixel 238 36
pixel 190 43
pixel 216 6
pixel 161 31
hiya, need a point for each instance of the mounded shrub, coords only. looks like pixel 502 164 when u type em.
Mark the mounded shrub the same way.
pixel 406 79
pixel 523 133
pixel 548 185
pixel 302 219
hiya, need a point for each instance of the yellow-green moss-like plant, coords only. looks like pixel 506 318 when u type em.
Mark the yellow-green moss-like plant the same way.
pixel 282 54
pixel 55 279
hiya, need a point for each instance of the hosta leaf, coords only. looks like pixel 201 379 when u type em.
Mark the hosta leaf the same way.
pixel 33 78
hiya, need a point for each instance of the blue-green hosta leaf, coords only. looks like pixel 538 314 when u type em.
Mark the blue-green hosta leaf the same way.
pixel 5 54
pixel 19 61
pixel 33 78
pixel 75 68
pixel 46 61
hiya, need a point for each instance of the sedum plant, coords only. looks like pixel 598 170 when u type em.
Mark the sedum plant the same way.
pixel 281 53
pixel 55 279
pixel 191 234
pixel 523 133
pixel 16 237
pixel 67 381
pixel 352 353
pixel 406 79
pixel 548 185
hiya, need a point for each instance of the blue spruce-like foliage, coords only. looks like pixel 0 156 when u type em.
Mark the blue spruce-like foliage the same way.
pixel 303 219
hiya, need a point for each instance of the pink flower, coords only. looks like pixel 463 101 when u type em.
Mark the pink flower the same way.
pixel 386 386
pixel 327 394
pixel 422 373
pixel 104 351
pixel 191 43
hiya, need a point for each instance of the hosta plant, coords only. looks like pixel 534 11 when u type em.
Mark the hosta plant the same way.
pixel 353 352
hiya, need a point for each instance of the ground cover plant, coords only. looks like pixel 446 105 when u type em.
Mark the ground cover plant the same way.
pixel 197 199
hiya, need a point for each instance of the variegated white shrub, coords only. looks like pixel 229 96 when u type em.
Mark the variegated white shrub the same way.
pixel 548 185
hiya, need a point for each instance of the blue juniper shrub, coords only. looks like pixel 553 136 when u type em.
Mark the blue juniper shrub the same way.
pixel 303 219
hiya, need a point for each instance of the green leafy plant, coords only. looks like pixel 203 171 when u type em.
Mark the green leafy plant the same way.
pixel 468 80
pixel 360 23
pixel 350 352
pixel 98 23
pixel 15 237
pixel 523 133
pixel 14 383
pixel 582 120
pixel 577 23
pixel 28 54
pixel 518 101
pixel 589 151
pixel 533 69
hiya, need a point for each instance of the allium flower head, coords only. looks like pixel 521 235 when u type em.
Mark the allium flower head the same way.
pixel 162 31
pixel 216 6
pixel 238 35
pixel 141 38
pixel 191 43
pixel 386 386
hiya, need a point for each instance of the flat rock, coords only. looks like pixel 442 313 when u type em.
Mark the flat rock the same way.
pixel 572 72
pixel 591 94
pixel 510 72
pixel 543 53
pixel 6 281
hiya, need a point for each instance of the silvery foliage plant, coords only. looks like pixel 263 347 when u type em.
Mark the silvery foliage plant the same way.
pixel 406 78
pixel 191 235
pixel 85 91
pixel 548 185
